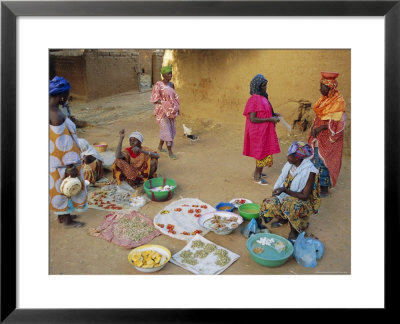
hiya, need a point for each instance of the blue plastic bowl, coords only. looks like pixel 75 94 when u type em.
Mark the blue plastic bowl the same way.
pixel 270 257
pixel 223 206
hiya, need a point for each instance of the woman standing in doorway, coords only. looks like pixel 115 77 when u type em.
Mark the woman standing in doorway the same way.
pixel 166 109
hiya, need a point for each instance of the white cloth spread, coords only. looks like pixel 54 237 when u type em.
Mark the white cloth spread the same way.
pixel 205 265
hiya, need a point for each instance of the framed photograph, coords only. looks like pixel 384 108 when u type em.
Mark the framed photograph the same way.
pixel 362 34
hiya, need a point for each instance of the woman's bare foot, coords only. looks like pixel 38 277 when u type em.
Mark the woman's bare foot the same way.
pixel 61 218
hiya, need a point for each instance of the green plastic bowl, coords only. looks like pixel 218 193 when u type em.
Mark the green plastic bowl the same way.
pixel 247 211
pixel 159 182
pixel 270 257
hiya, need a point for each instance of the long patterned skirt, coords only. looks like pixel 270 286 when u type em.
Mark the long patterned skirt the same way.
pixel 295 210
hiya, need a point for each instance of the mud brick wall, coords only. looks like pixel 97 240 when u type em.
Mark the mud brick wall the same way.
pixel 111 71
pixel 71 65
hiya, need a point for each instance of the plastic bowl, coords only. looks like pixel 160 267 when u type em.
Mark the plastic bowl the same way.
pixel 223 206
pixel 204 219
pixel 159 182
pixel 329 75
pixel 269 257
pixel 158 248
pixel 249 210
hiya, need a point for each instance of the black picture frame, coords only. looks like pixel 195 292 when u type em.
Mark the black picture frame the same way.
pixel 10 10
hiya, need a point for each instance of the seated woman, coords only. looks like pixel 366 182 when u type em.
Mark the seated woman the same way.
pixel 296 193
pixel 92 162
pixel 136 163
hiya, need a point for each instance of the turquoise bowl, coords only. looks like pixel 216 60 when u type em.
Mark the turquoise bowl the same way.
pixel 270 257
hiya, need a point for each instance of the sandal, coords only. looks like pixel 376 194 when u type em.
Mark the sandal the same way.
pixel 173 157
pixel 163 150
pixel 262 182
pixel 262 175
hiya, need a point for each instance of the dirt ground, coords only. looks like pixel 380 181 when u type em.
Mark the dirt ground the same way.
pixel 212 169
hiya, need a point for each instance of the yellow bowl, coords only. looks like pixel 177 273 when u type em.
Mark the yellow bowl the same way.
pixel 150 247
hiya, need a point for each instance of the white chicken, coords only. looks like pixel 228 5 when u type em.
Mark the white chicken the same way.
pixel 188 133
pixel 186 130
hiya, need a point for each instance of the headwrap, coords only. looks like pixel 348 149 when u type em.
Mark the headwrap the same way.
pixel 137 135
pixel 255 84
pixel 166 69
pixel 300 150
pixel 58 85
pixel 87 149
pixel 331 83
pixel 332 106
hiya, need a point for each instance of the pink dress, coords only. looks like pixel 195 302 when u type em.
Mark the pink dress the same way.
pixel 260 139
pixel 166 111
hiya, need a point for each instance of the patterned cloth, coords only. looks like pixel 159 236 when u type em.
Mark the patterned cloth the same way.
pixel 166 111
pixel 93 171
pixel 64 151
pixel 169 106
pixel 332 106
pixel 267 162
pixel 330 145
pixel 331 83
pixel 133 168
pixel 260 139
pixel 167 131
pixel 126 230
pixel 324 177
pixel 300 149
pixel 295 210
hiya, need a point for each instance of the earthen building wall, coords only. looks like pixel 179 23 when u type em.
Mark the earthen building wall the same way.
pixel 214 84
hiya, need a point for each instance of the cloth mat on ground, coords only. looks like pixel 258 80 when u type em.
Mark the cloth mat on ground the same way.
pixel 126 230
pixel 202 256
pixel 114 197
pixel 180 218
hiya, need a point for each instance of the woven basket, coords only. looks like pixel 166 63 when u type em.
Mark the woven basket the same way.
pixel 101 146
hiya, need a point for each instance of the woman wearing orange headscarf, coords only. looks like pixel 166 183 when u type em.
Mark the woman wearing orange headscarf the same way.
pixel 326 137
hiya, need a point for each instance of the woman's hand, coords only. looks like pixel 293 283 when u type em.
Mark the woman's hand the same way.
pixel 278 114
pixel 122 133
pixel 275 120
pixel 278 191
pixel 316 131
pixel 71 171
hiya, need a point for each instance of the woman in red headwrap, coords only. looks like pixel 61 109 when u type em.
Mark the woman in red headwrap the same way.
pixel 326 136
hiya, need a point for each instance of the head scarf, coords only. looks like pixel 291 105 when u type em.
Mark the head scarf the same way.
pixel 58 85
pixel 87 149
pixel 166 69
pixel 255 84
pixel 137 135
pixel 331 83
pixel 332 106
pixel 300 150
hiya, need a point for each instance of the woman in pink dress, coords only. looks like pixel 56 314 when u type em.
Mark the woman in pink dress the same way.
pixel 166 109
pixel 260 139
